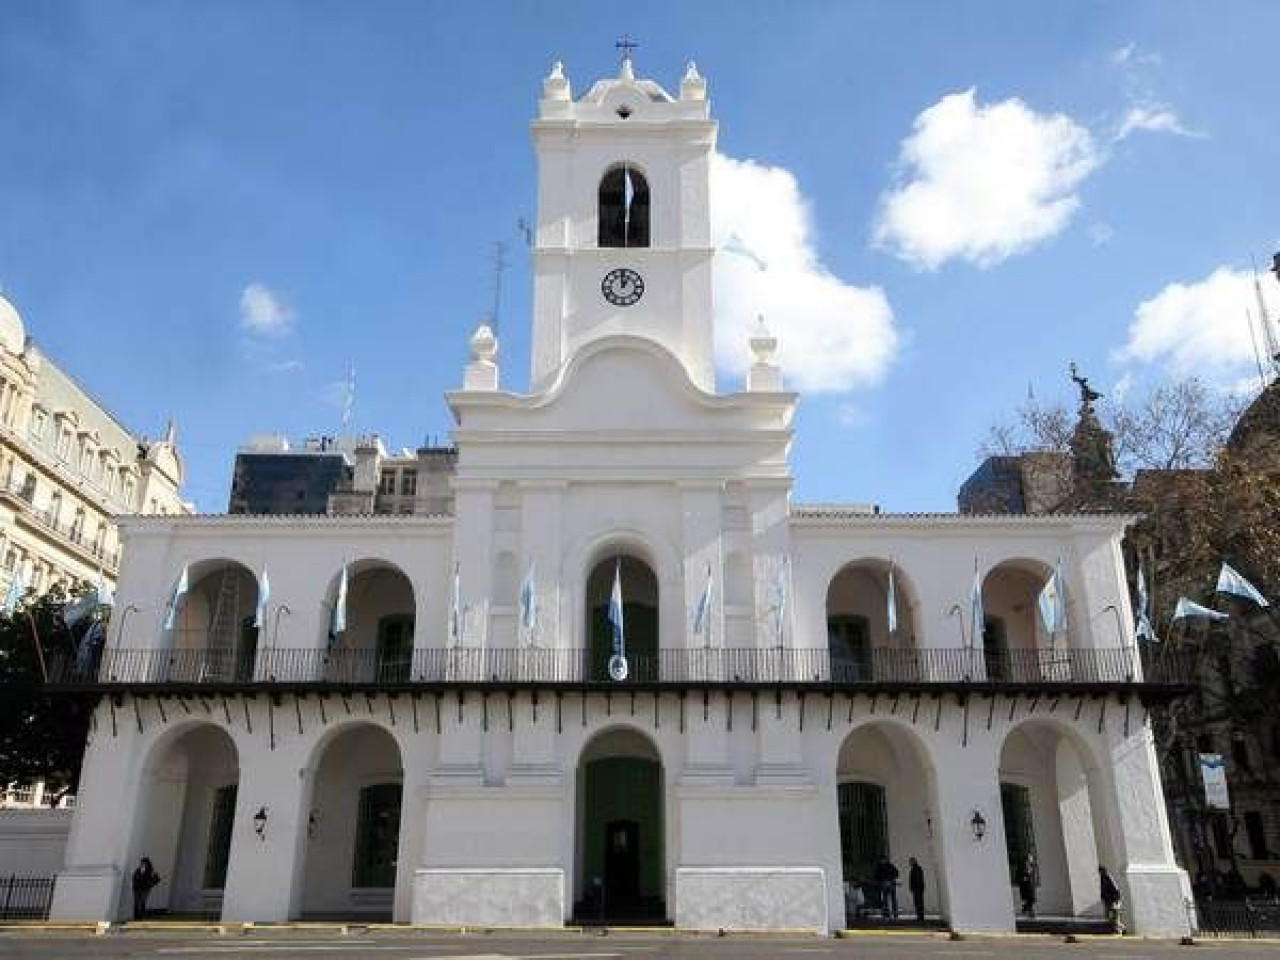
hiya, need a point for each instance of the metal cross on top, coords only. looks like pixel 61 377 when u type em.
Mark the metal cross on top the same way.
pixel 626 45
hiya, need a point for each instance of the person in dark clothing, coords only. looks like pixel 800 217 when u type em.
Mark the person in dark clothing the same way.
pixel 1110 895
pixel 1026 884
pixel 915 883
pixel 886 877
pixel 145 879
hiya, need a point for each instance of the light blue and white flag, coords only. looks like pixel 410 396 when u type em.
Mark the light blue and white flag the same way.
pixel 977 616
pixel 79 608
pixel 338 617
pixel 628 194
pixel 892 603
pixel 618 662
pixel 106 596
pixel 175 599
pixel 529 601
pixel 1230 581
pixel 89 645
pixel 1187 608
pixel 1144 630
pixel 17 589
pixel 780 598
pixel 1053 603
pixel 264 595
pixel 455 607
pixel 702 612
pixel 736 245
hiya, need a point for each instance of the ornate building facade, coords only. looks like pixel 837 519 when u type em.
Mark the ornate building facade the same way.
pixel 621 675
pixel 68 468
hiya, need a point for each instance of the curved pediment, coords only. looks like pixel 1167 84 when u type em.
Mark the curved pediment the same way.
pixel 618 384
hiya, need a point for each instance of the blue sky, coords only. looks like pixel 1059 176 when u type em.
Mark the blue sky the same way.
pixel 208 210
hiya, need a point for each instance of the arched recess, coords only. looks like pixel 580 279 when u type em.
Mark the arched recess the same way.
pixel 353 858
pixel 620 829
pixel 640 609
pixel 886 796
pixel 1014 641
pixel 623 207
pixel 188 806
pixel 860 642
pixel 375 639
pixel 214 636
pixel 1055 810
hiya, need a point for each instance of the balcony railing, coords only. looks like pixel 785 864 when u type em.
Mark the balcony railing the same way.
pixel 877 667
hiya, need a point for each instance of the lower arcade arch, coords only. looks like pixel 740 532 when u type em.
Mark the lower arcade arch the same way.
pixel 1055 814
pixel 352 846
pixel 886 796
pixel 187 811
pixel 620 829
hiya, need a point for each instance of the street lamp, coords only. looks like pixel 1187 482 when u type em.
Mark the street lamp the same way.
pixel 978 824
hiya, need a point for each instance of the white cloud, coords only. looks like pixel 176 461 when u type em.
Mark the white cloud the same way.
pixel 1153 118
pixel 983 182
pixel 1130 55
pixel 1101 233
pixel 263 313
pixel 1200 328
pixel 832 335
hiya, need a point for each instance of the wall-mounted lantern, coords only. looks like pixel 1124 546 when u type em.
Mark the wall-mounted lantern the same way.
pixel 978 824
pixel 260 823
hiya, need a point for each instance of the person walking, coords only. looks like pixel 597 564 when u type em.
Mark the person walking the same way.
pixel 886 877
pixel 1026 883
pixel 145 879
pixel 1110 895
pixel 915 883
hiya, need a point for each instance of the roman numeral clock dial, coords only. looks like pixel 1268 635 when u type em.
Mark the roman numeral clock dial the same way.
pixel 622 287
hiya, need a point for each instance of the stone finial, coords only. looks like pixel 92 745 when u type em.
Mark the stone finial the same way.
pixel 556 85
pixel 482 371
pixel 765 374
pixel 626 72
pixel 693 86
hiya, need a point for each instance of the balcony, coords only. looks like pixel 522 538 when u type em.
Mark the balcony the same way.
pixel 1164 673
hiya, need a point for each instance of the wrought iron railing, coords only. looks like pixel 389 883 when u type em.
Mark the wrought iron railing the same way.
pixel 25 898
pixel 470 665
pixel 1238 918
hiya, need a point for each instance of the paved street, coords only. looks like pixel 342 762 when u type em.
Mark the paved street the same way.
pixel 309 945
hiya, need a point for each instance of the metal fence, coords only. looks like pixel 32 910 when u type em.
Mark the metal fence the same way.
pixel 1238 918
pixel 25 898
pixel 471 665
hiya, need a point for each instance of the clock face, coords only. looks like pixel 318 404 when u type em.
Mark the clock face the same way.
pixel 622 287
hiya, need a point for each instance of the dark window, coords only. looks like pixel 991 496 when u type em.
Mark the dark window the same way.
pixel 1256 831
pixel 1222 836
pixel 1019 831
pixel 1204 743
pixel 1240 751
pixel 395 648
pixel 408 483
pixel 995 647
pixel 864 829
pixel 849 643
pixel 219 849
pixel 623 209
pixel 377 836
pixel 387 482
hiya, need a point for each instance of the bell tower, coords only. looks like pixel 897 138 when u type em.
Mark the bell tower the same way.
pixel 623 237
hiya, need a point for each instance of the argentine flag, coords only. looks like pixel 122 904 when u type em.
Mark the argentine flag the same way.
pixel 977 616
pixel 175 599
pixel 892 602
pixel 264 594
pixel 455 607
pixel 1187 608
pixel 1053 603
pixel 338 619
pixel 1144 629
pixel 615 614
pixel 529 602
pixel 702 612
pixel 1230 581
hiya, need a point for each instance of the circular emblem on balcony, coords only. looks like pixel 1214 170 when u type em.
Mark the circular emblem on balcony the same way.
pixel 618 668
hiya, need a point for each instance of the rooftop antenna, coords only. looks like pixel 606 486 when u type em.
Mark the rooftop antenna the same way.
pixel 348 398
pixel 500 265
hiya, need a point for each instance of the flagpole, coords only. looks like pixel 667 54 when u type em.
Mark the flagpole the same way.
pixel 35 637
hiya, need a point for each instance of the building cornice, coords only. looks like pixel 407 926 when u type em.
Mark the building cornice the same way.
pixel 836 515
pixel 281 522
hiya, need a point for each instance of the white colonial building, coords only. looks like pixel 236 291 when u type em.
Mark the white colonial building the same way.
pixel 441 759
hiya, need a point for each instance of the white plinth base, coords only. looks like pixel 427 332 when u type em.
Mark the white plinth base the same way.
pixel 751 898
pixel 1157 901
pixel 86 894
pixel 518 897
